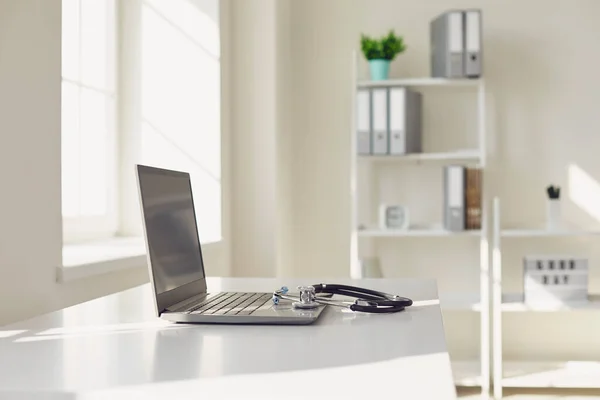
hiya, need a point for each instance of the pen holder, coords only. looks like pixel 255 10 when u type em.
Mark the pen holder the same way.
pixel 553 214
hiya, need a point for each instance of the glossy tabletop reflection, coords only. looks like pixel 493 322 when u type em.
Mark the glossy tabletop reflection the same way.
pixel 114 347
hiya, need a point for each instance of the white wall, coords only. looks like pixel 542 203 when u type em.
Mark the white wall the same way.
pixel 322 40
pixel 30 212
pixel 541 63
pixel 284 140
pixel 261 137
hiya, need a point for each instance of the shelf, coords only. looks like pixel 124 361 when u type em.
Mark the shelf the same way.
pixel 570 374
pixel 460 302
pixel 415 232
pixel 420 82
pixel 547 233
pixel 513 302
pixel 452 156
pixel 466 373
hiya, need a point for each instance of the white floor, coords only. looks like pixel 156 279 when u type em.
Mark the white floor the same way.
pixel 549 394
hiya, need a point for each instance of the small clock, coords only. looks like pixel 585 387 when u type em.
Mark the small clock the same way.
pixel 393 217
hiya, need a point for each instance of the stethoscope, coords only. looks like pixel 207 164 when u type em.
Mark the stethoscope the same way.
pixel 367 300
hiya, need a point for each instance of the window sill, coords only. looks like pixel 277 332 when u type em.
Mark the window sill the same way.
pixel 82 260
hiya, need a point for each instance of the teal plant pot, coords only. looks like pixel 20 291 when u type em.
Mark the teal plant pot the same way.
pixel 380 69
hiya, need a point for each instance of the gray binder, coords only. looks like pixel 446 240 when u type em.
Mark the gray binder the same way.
pixel 447 45
pixel 405 121
pixel 454 198
pixel 379 108
pixel 363 122
pixel 473 43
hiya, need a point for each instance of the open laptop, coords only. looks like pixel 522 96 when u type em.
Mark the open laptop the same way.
pixel 176 267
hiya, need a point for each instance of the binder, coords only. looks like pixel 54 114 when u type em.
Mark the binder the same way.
pixel 454 198
pixel 405 121
pixel 473 53
pixel 469 197
pixel 473 195
pixel 380 137
pixel 363 122
pixel 447 45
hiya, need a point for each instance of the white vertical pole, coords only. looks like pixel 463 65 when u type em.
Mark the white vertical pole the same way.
pixel 484 275
pixel 355 270
pixel 497 304
pixel 481 122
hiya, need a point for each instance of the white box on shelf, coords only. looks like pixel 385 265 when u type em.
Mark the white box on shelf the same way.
pixel 393 217
pixel 555 278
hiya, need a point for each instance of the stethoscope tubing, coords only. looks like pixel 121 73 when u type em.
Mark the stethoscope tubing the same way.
pixel 367 300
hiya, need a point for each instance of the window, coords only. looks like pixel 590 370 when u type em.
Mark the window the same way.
pixel 89 156
pixel 172 86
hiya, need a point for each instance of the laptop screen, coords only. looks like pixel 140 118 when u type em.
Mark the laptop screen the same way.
pixel 171 230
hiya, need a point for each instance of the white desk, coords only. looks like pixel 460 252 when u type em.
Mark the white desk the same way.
pixel 114 348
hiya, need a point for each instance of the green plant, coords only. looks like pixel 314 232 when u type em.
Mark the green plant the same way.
pixel 386 48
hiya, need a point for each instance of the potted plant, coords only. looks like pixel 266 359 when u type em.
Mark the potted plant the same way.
pixel 380 52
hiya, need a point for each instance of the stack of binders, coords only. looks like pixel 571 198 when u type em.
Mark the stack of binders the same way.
pixel 389 121
pixel 462 198
pixel 456 45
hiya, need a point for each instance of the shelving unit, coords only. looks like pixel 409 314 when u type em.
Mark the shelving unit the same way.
pixel 514 302
pixel 532 233
pixel 415 82
pixel 580 375
pixel 472 373
pixel 466 156
pixel 433 232
pixel 524 374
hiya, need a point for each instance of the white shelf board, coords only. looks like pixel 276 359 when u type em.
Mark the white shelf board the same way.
pixel 451 156
pixel 460 302
pixel 414 232
pixel 513 302
pixel 547 233
pixel 570 374
pixel 466 373
pixel 427 81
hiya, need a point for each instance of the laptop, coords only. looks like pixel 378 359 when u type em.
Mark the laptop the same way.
pixel 176 266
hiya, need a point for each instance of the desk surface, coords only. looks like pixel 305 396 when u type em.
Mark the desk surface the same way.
pixel 114 347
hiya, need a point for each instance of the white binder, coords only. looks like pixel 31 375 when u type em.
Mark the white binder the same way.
pixel 363 122
pixel 380 121
pixel 405 121
pixel 398 121
pixel 455 33
pixel 447 45
pixel 473 58
pixel 454 198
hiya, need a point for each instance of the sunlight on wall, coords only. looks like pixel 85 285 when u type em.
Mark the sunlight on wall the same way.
pixel 181 99
pixel 584 191
pixel 7 334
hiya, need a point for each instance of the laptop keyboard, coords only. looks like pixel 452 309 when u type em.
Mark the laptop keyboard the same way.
pixel 232 304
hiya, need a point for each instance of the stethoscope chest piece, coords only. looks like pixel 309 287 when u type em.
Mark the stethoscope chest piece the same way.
pixel 306 297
